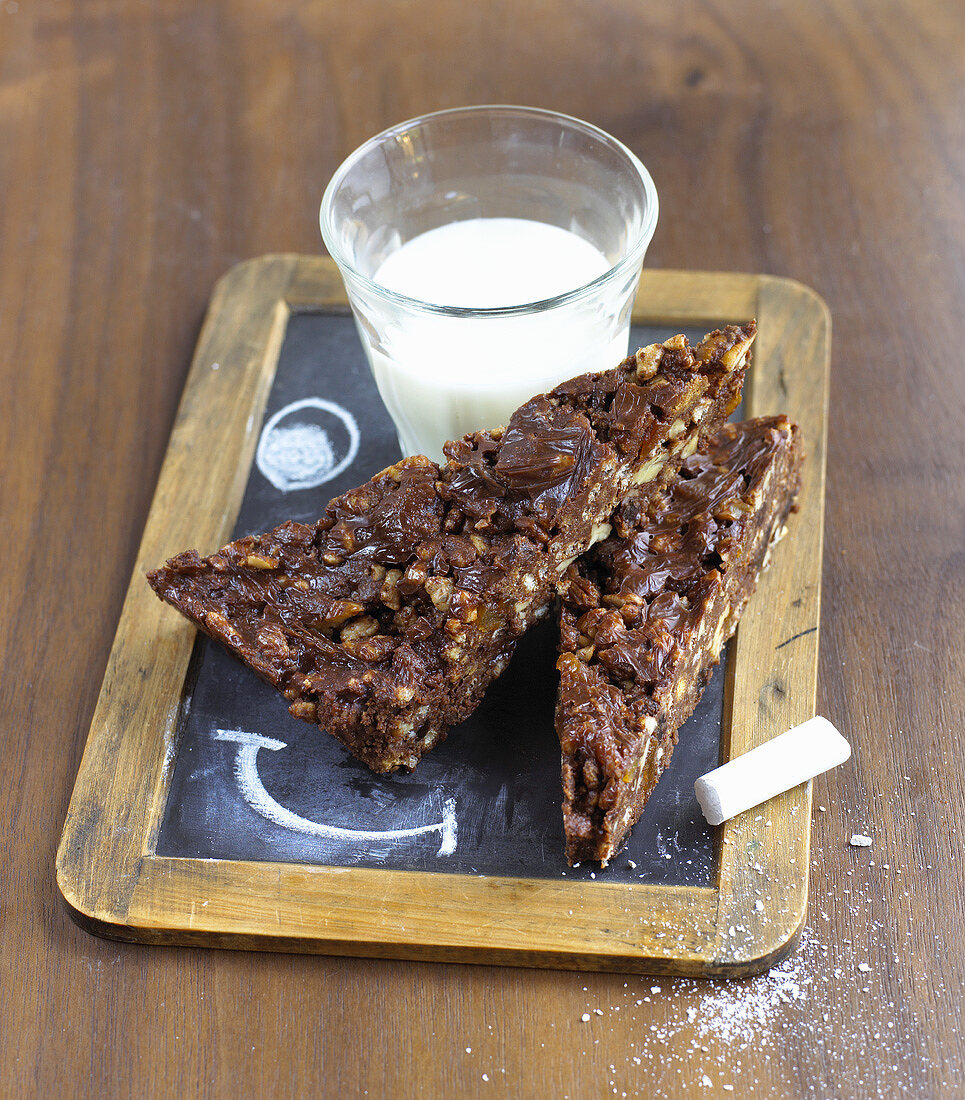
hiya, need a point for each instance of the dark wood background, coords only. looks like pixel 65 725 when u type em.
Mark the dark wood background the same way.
pixel 145 147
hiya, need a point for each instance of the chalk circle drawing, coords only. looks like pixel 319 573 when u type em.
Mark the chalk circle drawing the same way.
pixel 257 796
pixel 296 448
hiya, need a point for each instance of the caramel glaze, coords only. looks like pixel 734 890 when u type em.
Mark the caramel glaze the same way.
pixel 645 615
pixel 386 620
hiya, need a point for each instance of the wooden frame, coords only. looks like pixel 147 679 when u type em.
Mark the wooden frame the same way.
pixel 106 867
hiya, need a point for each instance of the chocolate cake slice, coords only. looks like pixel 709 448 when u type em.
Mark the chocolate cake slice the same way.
pixel 645 614
pixel 386 620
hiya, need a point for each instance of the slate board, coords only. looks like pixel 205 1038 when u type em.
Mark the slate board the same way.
pixel 499 771
pixel 161 845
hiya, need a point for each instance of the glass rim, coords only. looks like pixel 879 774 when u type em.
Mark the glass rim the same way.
pixel 631 258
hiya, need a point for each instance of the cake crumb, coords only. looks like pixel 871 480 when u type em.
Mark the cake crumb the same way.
pixel 859 840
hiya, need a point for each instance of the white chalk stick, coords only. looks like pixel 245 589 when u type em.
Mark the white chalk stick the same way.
pixel 802 753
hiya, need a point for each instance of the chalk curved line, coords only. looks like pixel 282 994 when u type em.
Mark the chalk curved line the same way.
pixel 256 795
pixel 309 403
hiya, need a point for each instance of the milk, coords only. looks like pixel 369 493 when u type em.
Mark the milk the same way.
pixel 484 263
pixel 441 376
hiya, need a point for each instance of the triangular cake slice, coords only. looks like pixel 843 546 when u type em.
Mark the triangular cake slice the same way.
pixel 386 620
pixel 644 617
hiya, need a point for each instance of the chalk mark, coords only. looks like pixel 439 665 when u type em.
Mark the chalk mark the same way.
pixel 257 796
pixel 301 456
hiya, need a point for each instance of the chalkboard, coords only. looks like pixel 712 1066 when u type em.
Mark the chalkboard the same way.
pixel 249 782
pixel 202 814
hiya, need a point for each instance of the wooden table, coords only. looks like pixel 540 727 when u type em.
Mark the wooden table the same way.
pixel 144 149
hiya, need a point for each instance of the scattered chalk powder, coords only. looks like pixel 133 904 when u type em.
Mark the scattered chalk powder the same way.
pixel 796 1030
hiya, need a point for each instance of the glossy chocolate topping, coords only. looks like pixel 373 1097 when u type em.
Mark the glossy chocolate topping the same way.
pixel 645 615
pixel 395 610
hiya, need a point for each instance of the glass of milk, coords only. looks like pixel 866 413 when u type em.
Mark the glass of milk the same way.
pixel 488 254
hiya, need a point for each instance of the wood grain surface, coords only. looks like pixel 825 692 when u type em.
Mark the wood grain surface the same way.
pixel 145 147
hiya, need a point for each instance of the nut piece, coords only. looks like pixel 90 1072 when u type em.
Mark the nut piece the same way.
pixel 457 630
pixel 391 473
pixel 389 592
pixel 648 361
pixel 219 626
pixel 439 590
pixel 303 709
pixel 362 627
pixel 341 611
pixel 600 532
pixel 649 471
pixel 272 640
pixel 415 575
pixel 375 648
pixel 256 561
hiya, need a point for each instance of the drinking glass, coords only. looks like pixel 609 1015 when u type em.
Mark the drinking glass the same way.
pixel 444 370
